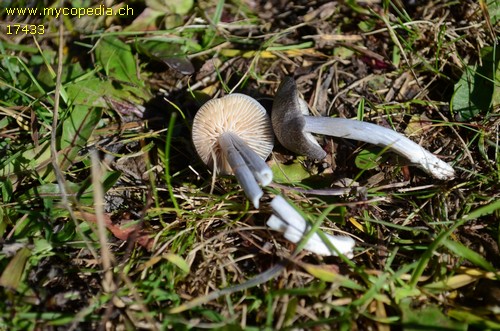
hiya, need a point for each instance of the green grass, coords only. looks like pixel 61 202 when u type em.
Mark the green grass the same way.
pixel 107 216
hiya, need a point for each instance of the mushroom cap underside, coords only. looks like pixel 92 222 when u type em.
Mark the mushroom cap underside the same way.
pixel 236 113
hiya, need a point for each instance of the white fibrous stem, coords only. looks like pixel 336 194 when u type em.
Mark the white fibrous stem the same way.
pixel 294 227
pixel 247 166
pixel 257 165
pixel 377 135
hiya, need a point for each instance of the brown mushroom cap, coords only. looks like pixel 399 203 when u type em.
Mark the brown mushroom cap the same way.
pixel 237 113
pixel 288 121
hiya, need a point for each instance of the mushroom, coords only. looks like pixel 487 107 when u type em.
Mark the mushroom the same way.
pixel 293 127
pixel 287 220
pixel 233 135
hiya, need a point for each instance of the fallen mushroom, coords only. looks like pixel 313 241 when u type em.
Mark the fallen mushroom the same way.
pixel 293 127
pixel 233 135
pixel 294 227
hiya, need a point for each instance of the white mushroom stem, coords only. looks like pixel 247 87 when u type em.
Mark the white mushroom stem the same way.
pixel 247 166
pixel 294 227
pixel 378 135
pixel 293 128
pixel 258 166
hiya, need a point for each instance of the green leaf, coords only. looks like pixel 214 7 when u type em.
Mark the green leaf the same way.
pixel 4 221
pixel 76 131
pixel 474 319
pixel 178 261
pixel 117 60
pixel 367 25
pixel 325 274
pixel 405 292
pixel 71 71
pixel 291 310
pixel 343 52
pixel 353 4
pixel 50 191
pixel 77 128
pixel 42 249
pixel 84 190
pixel 146 21
pixel 6 191
pixel 366 160
pixel 171 51
pixel 25 161
pixel 482 211
pixel 180 7
pixel 494 11
pixel 12 274
pixel 289 173
pixel 91 92
pixel 478 88
pixel 427 318
pixel 468 254
pixel 451 283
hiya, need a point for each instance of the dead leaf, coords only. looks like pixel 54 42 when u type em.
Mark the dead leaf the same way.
pixel 125 233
